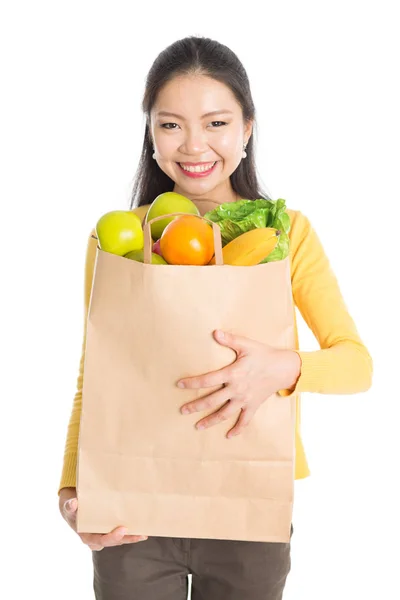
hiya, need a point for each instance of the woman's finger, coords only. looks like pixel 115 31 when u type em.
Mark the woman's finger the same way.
pixel 133 539
pixel 100 543
pixel 95 547
pixel 214 400
pixel 208 379
pixel 244 419
pixel 91 539
pixel 114 537
pixel 71 506
pixel 70 509
pixel 226 411
pixel 118 536
pixel 127 539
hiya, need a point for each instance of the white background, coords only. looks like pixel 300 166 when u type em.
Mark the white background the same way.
pixel 324 77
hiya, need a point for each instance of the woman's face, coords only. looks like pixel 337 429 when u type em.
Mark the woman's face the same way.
pixel 190 136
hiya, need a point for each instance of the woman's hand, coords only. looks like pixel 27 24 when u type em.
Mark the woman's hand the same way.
pixel 96 541
pixel 258 372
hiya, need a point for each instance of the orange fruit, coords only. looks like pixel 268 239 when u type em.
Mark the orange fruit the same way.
pixel 187 240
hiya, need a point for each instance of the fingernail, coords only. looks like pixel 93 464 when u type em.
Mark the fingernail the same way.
pixel 142 538
pixel 181 384
pixel 123 531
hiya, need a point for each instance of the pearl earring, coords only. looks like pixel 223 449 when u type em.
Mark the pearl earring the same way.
pixel 154 156
pixel 244 153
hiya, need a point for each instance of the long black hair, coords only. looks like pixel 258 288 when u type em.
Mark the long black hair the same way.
pixel 201 56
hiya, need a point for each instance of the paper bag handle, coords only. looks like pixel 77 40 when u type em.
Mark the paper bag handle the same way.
pixel 216 231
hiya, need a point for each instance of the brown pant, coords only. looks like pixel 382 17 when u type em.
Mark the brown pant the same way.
pixel 157 569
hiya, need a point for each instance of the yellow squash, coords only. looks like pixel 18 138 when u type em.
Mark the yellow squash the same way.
pixel 250 248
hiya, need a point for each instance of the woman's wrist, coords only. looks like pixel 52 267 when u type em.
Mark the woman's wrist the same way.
pixel 293 369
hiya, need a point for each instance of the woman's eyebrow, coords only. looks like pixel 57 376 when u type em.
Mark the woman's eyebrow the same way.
pixel 164 113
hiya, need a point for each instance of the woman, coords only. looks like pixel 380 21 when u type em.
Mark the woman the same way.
pixel 199 110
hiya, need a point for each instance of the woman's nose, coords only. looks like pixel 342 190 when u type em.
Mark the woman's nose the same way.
pixel 195 143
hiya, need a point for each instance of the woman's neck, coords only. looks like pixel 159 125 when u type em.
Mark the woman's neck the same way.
pixel 206 204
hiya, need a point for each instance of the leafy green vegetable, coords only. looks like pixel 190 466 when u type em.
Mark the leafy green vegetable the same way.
pixel 235 218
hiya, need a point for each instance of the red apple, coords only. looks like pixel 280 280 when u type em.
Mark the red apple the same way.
pixel 156 248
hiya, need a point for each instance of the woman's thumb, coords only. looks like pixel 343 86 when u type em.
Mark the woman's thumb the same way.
pixel 71 505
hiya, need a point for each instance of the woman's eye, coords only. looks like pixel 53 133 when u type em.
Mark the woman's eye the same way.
pixel 165 125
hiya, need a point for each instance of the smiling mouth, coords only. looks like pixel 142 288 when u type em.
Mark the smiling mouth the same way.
pixel 198 169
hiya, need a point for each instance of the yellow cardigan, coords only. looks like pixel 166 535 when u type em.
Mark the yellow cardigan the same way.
pixel 343 365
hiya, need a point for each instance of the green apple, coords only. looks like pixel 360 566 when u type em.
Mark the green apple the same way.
pixel 141 211
pixel 168 202
pixel 119 232
pixel 156 259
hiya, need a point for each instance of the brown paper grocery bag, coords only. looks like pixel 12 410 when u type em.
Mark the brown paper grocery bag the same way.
pixel 141 463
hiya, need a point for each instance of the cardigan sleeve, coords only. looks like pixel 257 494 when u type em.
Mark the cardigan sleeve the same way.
pixel 68 474
pixel 343 364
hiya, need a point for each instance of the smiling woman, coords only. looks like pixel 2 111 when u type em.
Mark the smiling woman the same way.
pixel 191 84
pixel 199 155
pixel 200 122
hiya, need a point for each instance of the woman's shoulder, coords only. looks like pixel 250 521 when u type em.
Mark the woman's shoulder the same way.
pixel 299 225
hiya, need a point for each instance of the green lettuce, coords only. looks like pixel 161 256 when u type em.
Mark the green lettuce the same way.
pixel 235 218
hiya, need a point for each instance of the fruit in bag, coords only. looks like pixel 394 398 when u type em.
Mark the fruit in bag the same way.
pixel 250 248
pixel 187 240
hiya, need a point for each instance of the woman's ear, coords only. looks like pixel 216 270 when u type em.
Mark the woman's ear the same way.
pixel 248 129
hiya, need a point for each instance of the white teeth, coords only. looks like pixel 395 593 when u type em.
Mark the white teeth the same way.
pixel 199 169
